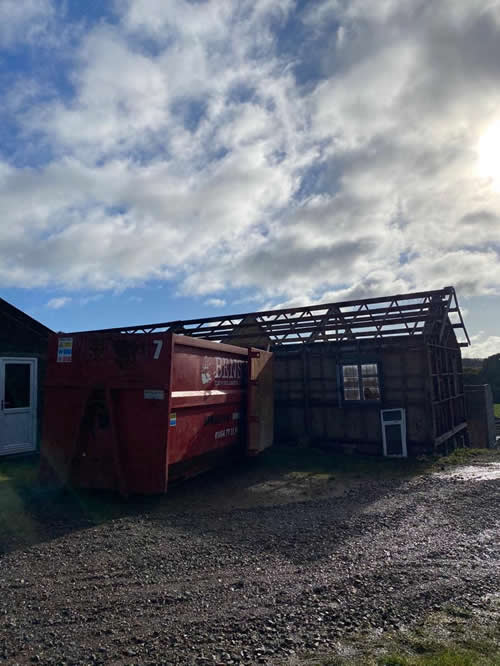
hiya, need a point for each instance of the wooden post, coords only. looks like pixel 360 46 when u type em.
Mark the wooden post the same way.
pixel 306 397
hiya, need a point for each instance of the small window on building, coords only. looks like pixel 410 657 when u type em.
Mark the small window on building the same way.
pixel 351 382
pixel 361 382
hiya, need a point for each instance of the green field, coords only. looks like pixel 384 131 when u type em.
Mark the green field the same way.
pixel 497 411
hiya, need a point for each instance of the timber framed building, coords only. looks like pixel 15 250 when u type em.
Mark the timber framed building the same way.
pixel 376 376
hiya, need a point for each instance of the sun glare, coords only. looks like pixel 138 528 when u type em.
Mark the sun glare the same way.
pixel 489 155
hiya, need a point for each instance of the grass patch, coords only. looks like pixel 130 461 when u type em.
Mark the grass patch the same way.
pixel 458 611
pixel 30 513
pixel 16 478
pixel 427 653
pixel 18 471
pixel 301 461
pixel 456 636
pixel 443 657
pixel 463 457
pixel 497 410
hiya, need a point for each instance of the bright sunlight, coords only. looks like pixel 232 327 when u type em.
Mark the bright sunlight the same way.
pixel 489 155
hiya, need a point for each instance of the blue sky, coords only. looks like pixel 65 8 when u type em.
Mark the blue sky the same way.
pixel 165 160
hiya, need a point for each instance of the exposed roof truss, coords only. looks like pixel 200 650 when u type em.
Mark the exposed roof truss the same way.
pixel 415 314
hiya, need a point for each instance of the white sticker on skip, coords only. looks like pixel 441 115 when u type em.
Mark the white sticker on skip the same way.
pixel 153 394
pixel 64 350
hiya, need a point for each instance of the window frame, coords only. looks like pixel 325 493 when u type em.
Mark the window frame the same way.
pixel 361 400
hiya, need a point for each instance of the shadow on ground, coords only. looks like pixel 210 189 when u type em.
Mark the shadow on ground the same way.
pixel 285 555
pixel 32 514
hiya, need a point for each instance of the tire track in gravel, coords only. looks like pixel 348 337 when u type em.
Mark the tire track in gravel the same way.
pixel 252 585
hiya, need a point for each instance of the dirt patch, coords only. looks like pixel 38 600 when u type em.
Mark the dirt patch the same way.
pixel 300 485
pixel 257 565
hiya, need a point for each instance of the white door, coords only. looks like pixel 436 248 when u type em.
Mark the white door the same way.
pixel 17 405
pixel 394 432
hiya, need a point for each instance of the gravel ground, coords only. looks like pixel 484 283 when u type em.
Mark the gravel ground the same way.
pixel 186 580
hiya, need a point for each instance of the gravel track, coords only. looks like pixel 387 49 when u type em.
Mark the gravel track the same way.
pixel 210 584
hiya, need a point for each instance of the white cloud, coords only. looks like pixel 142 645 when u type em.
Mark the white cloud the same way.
pixel 25 21
pixel 468 270
pixel 136 192
pixel 121 102
pixel 215 302
pixel 194 149
pixel 58 303
pixel 85 300
pixel 482 346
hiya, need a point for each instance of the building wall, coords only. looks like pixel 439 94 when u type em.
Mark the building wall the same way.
pixel 480 416
pixel 309 404
pixel 18 340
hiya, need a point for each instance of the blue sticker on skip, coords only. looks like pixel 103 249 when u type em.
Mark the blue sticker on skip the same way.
pixel 173 419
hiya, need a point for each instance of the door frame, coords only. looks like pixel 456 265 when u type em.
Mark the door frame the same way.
pixel 33 361
pixel 401 422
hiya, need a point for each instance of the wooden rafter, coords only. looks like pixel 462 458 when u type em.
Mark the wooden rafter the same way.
pixel 412 314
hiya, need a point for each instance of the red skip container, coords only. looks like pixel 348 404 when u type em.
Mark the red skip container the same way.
pixel 131 411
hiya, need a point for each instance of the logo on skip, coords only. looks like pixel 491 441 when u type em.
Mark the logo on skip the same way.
pixel 206 375
pixel 226 370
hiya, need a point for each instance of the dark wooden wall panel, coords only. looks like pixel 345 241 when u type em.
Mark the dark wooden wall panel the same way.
pixel 309 404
